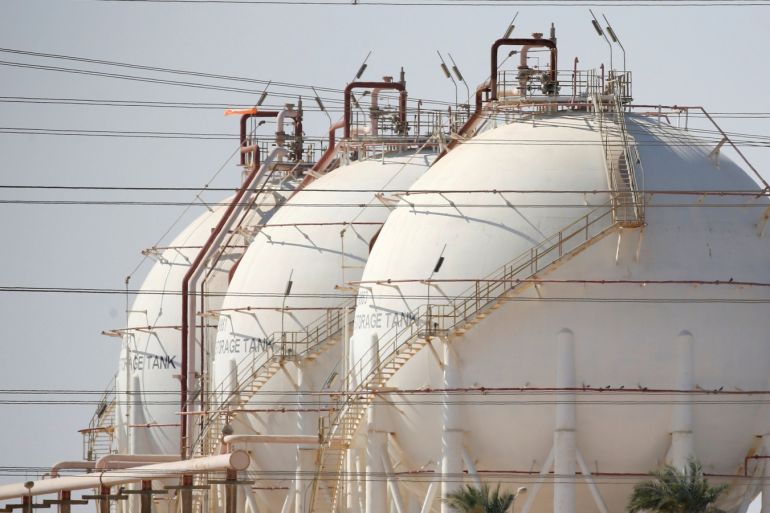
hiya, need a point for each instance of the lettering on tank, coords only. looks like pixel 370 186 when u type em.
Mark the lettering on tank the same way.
pixel 386 320
pixel 234 344
pixel 148 361
pixel 379 320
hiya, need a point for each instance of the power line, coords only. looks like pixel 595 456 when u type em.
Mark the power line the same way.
pixel 167 70
pixel 471 3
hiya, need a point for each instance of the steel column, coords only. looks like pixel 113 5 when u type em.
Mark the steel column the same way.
pixel 451 435
pixel 564 433
pixel 682 443
pixel 376 486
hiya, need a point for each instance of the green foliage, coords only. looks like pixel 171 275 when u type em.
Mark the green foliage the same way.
pixel 471 499
pixel 676 491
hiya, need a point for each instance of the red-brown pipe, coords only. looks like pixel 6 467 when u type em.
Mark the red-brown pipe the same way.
pixel 321 161
pixel 480 90
pixel 244 119
pixel 247 183
pixel 547 43
pixel 398 86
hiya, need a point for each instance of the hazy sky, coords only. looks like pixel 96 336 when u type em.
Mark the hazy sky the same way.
pixel 711 56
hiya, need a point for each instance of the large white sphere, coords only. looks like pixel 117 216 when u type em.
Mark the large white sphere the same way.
pixel 319 240
pixel 147 383
pixel 625 334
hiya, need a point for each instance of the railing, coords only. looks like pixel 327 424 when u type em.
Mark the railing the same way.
pixel 439 319
pixel 98 436
pixel 280 346
pixel 422 124
pixel 621 154
pixel 572 86
pixel 631 156
pixel 375 366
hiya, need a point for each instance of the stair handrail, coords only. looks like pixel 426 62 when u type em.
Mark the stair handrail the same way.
pixel 435 320
pixel 105 405
pixel 281 345
pixel 630 149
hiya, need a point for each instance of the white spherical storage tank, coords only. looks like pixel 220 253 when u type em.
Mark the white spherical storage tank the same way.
pixel 147 383
pixel 518 328
pixel 284 315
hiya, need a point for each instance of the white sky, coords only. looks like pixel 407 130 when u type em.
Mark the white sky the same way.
pixel 711 56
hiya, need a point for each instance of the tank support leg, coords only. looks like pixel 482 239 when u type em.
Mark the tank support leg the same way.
pixel 251 500
pixel 352 500
pixel 682 443
pixel 595 493
pixel 303 478
pixel 306 425
pixel 430 496
pixel 472 472
pixel 376 487
pixel 765 474
pixel 564 433
pixel 361 476
pixel 395 492
pixel 544 470
pixel 765 493
pixel 289 497
pixel 451 436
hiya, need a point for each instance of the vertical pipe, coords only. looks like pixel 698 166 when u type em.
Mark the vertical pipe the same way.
pixel 564 432
pixel 146 498
pixel 104 502
pixel 231 494
pixel 682 444
pixel 65 495
pixel 186 493
pixel 451 436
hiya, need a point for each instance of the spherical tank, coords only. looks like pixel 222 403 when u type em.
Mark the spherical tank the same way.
pixel 597 339
pixel 285 299
pixel 147 383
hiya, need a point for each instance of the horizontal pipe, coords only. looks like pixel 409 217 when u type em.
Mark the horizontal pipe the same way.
pixel 276 439
pixel 237 460
pixel 271 439
pixel 245 118
pixel 398 86
pixel 113 460
pixel 531 43
pixel 71 465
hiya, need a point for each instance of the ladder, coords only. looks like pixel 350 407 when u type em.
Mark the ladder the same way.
pixel 98 437
pixel 397 346
pixel 621 157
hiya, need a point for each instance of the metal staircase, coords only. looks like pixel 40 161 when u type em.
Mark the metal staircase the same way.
pixel 251 373
pixel 397 346
pixel 622 159
pixel 98 437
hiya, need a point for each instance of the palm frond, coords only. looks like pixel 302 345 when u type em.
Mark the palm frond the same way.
pixel 676 491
